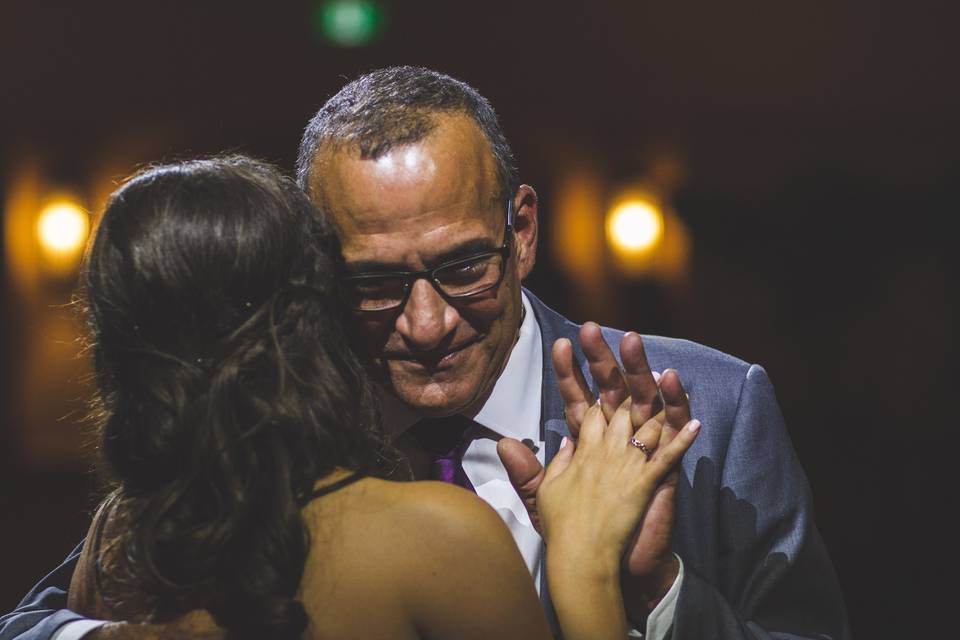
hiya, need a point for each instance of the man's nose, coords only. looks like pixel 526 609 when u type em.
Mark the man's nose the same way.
pixel 427 318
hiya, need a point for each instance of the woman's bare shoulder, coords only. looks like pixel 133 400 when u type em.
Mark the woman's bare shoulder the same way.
pixel 435 510
pixel 425 555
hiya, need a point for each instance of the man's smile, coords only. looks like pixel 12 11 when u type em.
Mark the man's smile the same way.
pixel 437 358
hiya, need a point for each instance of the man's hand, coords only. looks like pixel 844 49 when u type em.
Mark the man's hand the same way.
pixel 195 625
pixel 649 566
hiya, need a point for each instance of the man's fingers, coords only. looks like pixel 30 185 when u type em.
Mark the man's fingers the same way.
pixel 523 469
pixel 676 403
pixel 576 395
pixel 612 388
pixel 525 473
pixel 640 380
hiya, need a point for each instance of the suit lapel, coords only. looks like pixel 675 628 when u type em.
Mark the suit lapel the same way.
pixel 553 424
pixel 553 326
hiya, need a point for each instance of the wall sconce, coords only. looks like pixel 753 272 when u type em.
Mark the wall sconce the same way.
pixel 61 230
pixel 45 234
pixel 634 227
pixel 645 237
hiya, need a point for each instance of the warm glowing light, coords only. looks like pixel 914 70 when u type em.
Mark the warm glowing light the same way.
pixel 63 227
pixel 635 226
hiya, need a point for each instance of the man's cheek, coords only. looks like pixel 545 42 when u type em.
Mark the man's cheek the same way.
pixel 482 314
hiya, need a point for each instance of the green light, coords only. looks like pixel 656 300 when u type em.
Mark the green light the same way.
pixel 348 23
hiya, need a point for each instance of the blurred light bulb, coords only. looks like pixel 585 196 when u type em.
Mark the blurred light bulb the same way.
pixel 634 226
pixel 63 227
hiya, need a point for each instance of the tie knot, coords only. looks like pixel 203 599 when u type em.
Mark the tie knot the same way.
pixel 445 440
pixel 444 437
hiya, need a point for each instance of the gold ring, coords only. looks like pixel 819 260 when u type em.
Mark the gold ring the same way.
pixel 640 445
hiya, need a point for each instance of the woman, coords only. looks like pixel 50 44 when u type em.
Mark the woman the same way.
pixel 240 437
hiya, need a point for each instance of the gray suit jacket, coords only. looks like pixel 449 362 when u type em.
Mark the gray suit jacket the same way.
pixel 755 566
pixel 754 563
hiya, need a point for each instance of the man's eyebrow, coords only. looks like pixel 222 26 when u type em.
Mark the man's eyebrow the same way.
pixel 462 250
pixel 373 266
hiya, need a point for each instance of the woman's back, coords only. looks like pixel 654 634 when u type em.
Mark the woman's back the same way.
pixel 395 559
pixel 391 560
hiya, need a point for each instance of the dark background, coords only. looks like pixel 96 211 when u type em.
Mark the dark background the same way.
pixel 818 143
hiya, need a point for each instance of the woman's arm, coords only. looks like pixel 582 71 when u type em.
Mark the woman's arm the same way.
pixel 590 502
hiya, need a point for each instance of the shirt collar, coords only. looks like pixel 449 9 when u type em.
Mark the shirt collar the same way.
pixel 513 408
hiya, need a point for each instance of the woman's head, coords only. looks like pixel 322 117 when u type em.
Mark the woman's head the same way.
pixel 187 253
pixel 226 386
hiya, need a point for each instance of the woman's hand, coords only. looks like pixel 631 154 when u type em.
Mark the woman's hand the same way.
pixel 595 492
pixel 591 500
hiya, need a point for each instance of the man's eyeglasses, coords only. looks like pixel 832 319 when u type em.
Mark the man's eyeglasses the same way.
pixel 456 279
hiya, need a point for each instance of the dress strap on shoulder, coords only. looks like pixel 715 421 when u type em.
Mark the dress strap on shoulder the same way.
pixel 334 486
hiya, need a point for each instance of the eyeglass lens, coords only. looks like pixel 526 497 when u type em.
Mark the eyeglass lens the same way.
pixel 457 280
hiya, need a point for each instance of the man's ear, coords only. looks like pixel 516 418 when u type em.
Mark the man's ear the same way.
pixel 525 228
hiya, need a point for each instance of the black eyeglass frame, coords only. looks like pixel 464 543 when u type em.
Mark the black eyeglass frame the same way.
pixel 409 277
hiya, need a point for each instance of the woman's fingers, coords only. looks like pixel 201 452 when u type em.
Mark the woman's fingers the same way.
pixel 649 436
pixel 667 455
pixel 620 428
pixel 592 427
pixel 562 460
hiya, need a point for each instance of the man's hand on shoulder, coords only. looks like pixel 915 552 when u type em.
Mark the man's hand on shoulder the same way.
pixel 196 625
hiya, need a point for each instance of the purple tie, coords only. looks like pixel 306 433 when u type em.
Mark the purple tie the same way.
pixel 446 440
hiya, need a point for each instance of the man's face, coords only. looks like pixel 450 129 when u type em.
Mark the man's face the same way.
pixel 414 208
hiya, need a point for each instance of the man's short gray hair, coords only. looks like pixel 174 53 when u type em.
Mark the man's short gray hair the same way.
pixel 393 107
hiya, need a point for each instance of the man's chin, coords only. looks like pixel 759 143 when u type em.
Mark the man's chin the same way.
pixel 434 399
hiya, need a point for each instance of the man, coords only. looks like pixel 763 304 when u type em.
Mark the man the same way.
pixel 437 236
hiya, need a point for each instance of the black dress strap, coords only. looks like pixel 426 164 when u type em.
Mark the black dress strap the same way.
pixel 334 486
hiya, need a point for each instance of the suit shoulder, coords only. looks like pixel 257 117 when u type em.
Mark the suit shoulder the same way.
pixel 714 380
pixel 678 353
pixel 692 353
pixel 662 352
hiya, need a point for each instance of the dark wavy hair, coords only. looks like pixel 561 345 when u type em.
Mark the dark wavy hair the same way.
pixel 226 388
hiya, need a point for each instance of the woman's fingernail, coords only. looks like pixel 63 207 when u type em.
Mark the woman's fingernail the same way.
pixel 564 442
pixel 693 426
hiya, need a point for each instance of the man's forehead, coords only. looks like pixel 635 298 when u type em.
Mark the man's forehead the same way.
pixel 419 237
pixel 448 174
pixel 415 220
